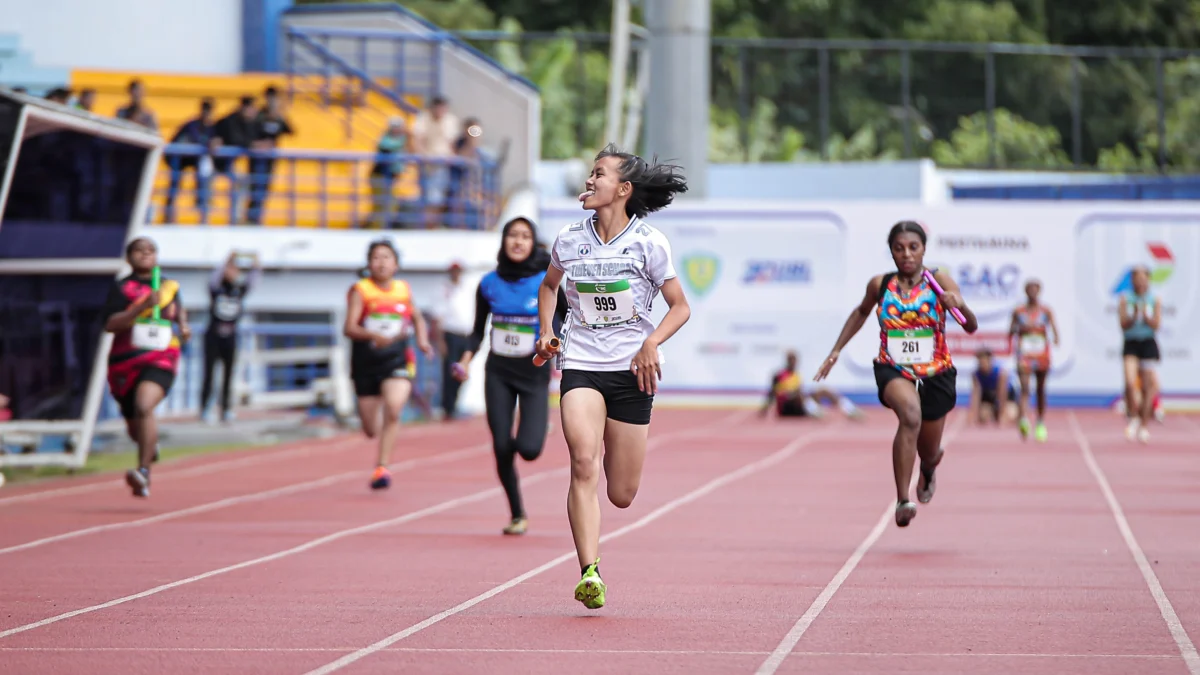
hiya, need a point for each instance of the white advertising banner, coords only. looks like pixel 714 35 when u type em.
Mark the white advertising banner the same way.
pixel 765 278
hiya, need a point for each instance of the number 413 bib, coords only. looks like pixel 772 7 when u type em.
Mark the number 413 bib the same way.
pixel 606 304
pixel 910 347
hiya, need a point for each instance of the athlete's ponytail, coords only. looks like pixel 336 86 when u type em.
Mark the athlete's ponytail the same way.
pixel 654 184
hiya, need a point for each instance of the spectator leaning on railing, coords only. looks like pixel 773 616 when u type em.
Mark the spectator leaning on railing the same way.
pixel 238 129
pixel 434 133
pixel 271 124
pixel 198 131
pixel 394 143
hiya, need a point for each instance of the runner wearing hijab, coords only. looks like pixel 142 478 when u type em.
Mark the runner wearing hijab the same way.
pixel 509 296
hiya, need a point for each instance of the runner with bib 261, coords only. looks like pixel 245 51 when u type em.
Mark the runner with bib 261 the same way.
pixel 914 372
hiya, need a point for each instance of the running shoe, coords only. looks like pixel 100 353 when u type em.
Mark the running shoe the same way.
pixel 927 482
pixel 590 589
pixel 1039 433
pixel 517 526
pixel 1143 435
pixel 381 479
pixel 1131 429
pixel 1023 425
pixel 905 512
pixel 139 481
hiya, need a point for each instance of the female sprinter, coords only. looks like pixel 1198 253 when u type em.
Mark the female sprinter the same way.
pixel 144 356
pixel 915 375
pixel 614 265
pixel 1140 313
pixel 509 295
pixel 380 317
pixel 1029 327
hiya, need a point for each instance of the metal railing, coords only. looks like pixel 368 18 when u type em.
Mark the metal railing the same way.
pixel 969 105
pixel 325 189
pixel 401 64
pixel 281 366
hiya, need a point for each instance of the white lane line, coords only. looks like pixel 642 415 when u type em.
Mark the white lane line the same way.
pixel 256 456
pixel 1186 649
pixel 650 652
pixel 253 497
pixel 785 647
pixel 729 477
pixel 335 536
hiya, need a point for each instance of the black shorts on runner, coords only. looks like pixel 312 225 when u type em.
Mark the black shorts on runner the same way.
pixel 939 393
pixel 988 396
pixel 128 402
pixel 370 383
pixel 624 401
pixel 1145 349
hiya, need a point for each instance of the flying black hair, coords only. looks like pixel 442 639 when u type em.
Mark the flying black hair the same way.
pixel 654 184
pixel 906 226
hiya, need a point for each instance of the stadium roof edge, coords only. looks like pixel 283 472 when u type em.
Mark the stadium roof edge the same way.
pixel 70 116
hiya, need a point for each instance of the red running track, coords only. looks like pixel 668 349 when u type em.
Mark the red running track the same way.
pixel 753 547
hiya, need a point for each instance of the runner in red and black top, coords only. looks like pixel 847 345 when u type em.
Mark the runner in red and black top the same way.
pixel 144 359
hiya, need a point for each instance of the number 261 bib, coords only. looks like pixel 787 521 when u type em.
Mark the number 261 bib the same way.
pixel 910 347
pixel 606 304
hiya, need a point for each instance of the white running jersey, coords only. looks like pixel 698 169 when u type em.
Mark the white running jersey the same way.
pixel 610 289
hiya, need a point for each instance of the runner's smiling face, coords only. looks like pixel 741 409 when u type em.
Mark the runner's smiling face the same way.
pixel 908 253
pixel 604 186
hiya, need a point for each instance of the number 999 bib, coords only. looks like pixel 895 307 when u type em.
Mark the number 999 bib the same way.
pixel 606 304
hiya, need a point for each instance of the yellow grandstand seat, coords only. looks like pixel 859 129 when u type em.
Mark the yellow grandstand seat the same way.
pixel 328 115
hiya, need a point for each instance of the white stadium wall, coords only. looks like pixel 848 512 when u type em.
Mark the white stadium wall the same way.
pixel 763 278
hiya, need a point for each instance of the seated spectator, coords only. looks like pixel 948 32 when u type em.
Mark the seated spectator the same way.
pixel 60 95
pixel 789 399
pixel 86 99
pixel 198 131
pixel 993 396
pixel 136 111
pixel 394 143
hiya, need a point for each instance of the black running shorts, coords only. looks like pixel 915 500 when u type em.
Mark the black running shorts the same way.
pixel 624 401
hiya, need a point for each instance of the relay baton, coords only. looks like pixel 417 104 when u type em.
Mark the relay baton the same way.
pixel 155 283
pixel 555 345
pixel 937 288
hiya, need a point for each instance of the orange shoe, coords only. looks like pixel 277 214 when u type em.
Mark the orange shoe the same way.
pixel 381 478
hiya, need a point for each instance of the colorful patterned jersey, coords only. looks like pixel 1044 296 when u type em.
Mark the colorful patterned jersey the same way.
pixel 912 333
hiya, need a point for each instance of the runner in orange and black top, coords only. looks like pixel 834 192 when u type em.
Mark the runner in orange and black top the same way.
pixel 914 371
pixel 143 359
pixel 790 400
pixel 380 319
pixel 1029 330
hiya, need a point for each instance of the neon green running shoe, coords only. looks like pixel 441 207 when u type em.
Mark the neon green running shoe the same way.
pixel 1040 432
pixel 1023 426
pixel 590 589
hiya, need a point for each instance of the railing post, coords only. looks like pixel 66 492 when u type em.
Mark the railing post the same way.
pixel 906 99
pixel 989 76
pixel 744 101
pixel 1076 111
pixel 823 99
pixel 1160 103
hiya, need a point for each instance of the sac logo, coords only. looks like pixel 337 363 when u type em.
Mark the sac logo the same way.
pixel 701 271
pixel 986 282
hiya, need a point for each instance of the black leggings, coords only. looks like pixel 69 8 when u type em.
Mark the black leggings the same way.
pixel 503 388
pixel 223 348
